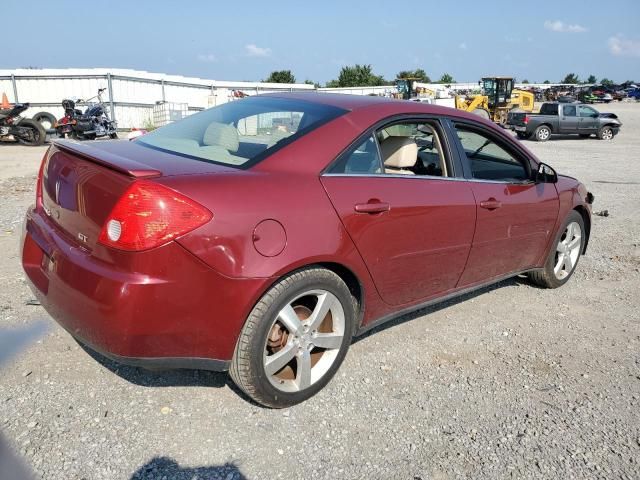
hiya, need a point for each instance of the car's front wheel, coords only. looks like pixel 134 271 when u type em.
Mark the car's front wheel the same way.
pixel 605 133
pixel 295 338
pixel 563 258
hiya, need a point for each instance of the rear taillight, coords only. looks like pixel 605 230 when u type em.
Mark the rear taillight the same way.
pixel 526 119
pixel 40 180
pixel 149 215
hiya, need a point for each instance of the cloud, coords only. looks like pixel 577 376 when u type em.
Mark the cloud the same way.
pixel 621 47
pixel 462 46
pixel 558 26
pixel 255 51
pixel 206 57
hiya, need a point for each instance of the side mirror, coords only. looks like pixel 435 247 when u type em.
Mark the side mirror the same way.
pixel 546 174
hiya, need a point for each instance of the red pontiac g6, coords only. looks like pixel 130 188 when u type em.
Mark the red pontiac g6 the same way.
pixel 260 236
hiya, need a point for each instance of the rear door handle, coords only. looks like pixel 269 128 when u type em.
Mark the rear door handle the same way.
pixel 372 207
pixel 491 204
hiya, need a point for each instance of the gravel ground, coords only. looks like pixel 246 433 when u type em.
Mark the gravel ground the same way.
pixel 509 382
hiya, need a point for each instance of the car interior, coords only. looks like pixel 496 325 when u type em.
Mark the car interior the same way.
pixel 404 149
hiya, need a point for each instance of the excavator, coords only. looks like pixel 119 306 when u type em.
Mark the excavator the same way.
pixel 497 99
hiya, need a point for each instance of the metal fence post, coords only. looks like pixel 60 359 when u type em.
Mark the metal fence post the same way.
pixel 113 110
pixel 15 88
pixel 163 97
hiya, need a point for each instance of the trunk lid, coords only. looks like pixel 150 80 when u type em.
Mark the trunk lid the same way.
pixel 81 183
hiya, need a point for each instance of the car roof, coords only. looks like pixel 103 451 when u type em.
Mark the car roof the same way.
pixel 359 102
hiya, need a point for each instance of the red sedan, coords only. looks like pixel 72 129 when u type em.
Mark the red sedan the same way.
pixel 260 236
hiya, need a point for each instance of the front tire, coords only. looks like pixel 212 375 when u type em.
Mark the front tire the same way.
pixel 542 133
pixel 565 254
pixel 605 133
pixel 295 338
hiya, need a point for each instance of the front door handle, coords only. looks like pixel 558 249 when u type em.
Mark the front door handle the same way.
pixel 491 204
pixel 372 207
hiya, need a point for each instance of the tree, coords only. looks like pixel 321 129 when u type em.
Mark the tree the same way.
pixel 606 82
pixel 546 82
pixel 446 78
pixel 570 78
pixel 311 82
pixel 281 76
pixel 592 79
pixel 525 81
pixel 420 75
pixel 357 76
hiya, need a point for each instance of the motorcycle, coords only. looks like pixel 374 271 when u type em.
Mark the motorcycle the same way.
pixel 91 124
pixel 24 130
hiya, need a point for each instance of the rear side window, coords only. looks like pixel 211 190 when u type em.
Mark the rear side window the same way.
pixel 364 159
pixel 488 160
pixel 242 132
pixel 569 110
pixel 549 109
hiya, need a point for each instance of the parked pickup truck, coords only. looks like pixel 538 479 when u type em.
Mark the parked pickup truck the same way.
pixel 564 118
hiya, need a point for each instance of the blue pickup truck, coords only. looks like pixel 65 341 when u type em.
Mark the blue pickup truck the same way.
pixel 566 119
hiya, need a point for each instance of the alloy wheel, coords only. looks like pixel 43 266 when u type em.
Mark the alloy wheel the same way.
pixel 304 341
pixel 568 251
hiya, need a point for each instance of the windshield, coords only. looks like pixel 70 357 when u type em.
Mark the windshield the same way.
pixel 242 132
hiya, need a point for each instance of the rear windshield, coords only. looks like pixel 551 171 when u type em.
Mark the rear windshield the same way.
pixel 242 132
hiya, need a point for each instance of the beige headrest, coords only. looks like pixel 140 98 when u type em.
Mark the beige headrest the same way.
pixel 399 152
pixel 222 135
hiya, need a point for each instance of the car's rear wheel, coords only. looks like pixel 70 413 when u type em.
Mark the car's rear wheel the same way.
pixel 542 133
pixel 295 338
pixel 523 135
pixel 564 257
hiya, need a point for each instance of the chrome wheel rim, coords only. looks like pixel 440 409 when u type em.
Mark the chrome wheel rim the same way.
pixel 544 133
pixel 304 341
pixel 568 251
pixel 607 134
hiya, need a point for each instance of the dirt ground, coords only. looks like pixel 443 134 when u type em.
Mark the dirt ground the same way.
pixel 509 382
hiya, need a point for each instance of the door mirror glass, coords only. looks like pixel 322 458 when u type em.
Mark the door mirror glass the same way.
pixel 546 174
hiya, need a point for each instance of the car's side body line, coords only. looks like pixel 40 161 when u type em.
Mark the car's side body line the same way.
pixel 440 298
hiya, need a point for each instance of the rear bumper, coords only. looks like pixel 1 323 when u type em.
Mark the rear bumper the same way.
pixel 159 308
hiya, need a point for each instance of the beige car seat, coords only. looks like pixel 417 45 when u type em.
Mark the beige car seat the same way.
pixel 399 154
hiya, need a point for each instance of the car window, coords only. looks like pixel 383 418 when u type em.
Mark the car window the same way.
pixel 587 111
pixel 363 159
pixel 569 110
pixel 411 148
pixel 488 160
pixel 549 109
pixel 240 132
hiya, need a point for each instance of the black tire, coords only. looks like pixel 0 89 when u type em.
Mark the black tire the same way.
pixel 45 119
pixel 546 277
pixel 38 135
pixel 247 367
pixel 542 133
pixel 523 135
pixel 606 133
pixel 585 135
pixel 113 136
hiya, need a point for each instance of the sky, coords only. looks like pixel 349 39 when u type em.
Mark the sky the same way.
pixel 249 39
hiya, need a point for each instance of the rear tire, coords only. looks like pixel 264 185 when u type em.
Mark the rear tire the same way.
pixel 606 133
pixel 564 255
pixel 113 136
pixel 278 361
pixel 37 136
pixel 45 119
pixel 542 133
pixel 523 136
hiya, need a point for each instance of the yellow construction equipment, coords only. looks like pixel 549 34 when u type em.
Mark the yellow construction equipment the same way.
pixel 498 97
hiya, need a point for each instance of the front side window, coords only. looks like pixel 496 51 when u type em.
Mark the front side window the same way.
pixel 241 132
pixel 569 110
pixel 587 112
pixel 488 160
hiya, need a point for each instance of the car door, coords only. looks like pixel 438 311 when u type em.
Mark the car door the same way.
pixel 588 119
pixel 411 220
pixel 569 119
pixel 515 215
